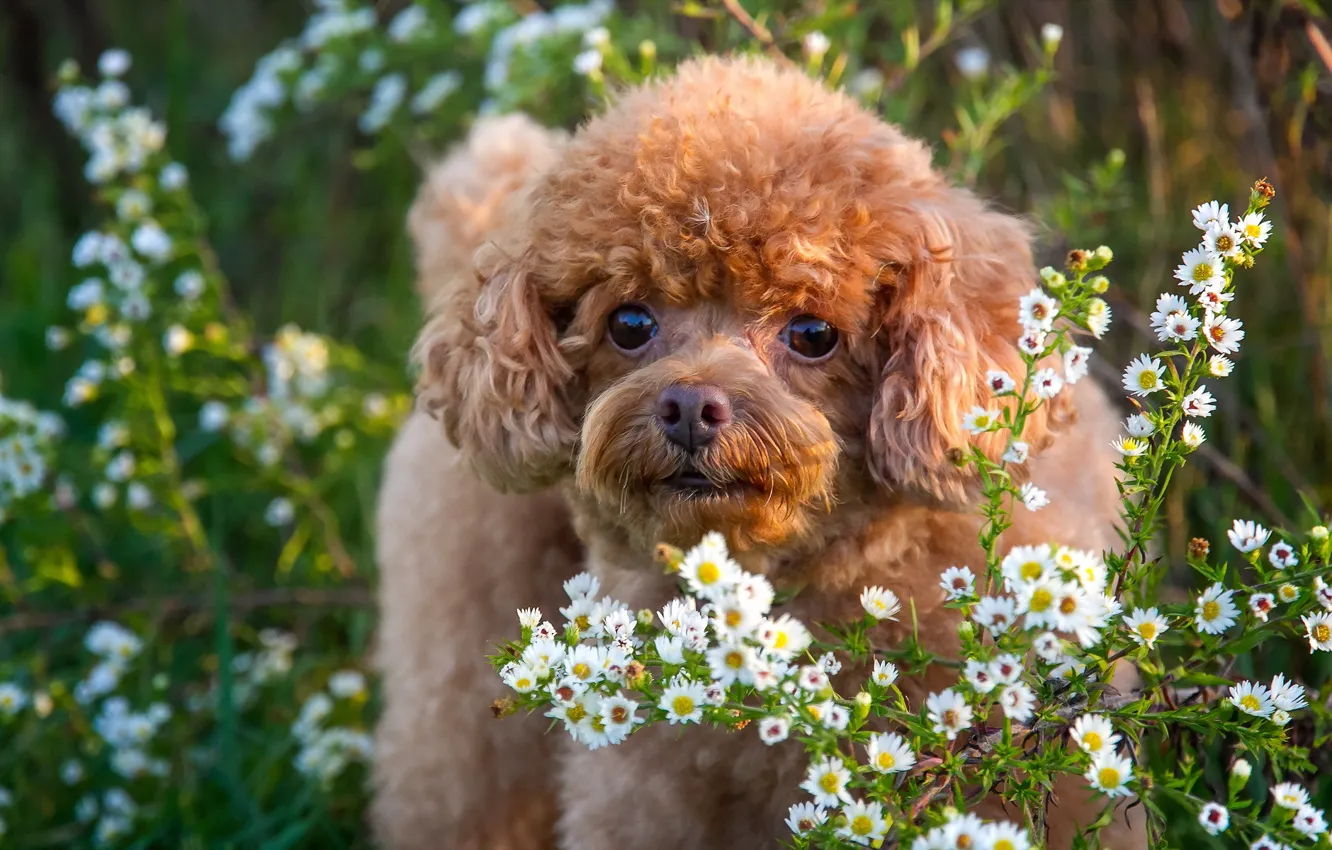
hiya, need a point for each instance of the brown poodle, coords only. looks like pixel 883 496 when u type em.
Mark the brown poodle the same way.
pixel 736 301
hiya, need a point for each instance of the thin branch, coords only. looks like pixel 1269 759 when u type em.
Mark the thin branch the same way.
pixel 760 33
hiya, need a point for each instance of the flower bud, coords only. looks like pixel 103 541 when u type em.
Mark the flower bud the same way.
pixel 1099 284
pixel 860 709
pixel 1053 279
pixel 1261 194
pixel 668 556
pixel 1104 254
pixel 1077 260
pixel 1318 532
pixel 1198 548
pixel 647 49
pixel 645 618
pixel 966 631
pixel 1240 770
pixel 68 72
pixel 1116 159
pixel 1051 35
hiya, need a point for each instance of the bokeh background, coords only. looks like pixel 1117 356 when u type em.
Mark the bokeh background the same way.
pixel 1148 108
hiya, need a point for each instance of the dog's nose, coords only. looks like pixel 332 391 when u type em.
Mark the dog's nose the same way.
pixel 691 415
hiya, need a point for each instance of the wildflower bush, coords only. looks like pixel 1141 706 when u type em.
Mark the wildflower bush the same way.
pixel 185 549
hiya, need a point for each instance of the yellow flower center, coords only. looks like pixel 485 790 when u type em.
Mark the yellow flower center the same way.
pixel 708 572
pixel 1217 333
pixel 1288 592
pixel 1147 380
pixel 682 705
pixel 1322 632
pixel 963 841
pixel 829 782
pixel 735 660
pixel 96 314
pixel 862 825
pixel 1031 570
pixel 1108 777
pixel 582 622
pixel 1224 243
pixel 581 671
pixel 887 761
pixel 1211 610
pixel 1041 600
pixel 950 718
pixel 1249 702
pixel 1091 742
pixel 576 713
pixel 1068 605
pixel 734 617
pixel 780 641
pixel 598 724
pixel 1003 844
pixel 523 683
pixel 1202 272
pixel 1147 630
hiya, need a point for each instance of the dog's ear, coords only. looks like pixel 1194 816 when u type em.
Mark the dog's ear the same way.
pixel 949 318
pixel 492 368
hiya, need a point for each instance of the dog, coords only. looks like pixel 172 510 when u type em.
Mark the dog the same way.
pixel 735 301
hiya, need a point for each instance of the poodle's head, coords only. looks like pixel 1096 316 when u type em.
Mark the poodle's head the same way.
pixel 738 301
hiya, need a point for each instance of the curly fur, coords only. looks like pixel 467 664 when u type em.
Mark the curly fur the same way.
pixel 728 199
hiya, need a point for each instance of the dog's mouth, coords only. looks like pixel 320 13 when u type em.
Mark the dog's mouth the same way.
pixel 689 482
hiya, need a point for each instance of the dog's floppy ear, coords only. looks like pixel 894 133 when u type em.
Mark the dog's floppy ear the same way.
pixel 951 317
pixel 493 370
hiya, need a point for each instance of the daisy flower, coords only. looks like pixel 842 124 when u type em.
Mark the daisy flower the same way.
pixel 1032 342
pixel 1144 376
pixel 1261 604
pixel 1223 334
pixel 1280 717
pixel 1200 269
pixel 1046 383
pixel 1192 435
pixel 1251 698
pixel 1247 535
pixel 730 662
pixel 734 617
pixel 829 664
pixel 802 818
pixel 784 637
pixel 529 618
pixel 618 716
pixel 1072 607
pixel 1211 213
pixel 1166 304
pixel 962 831
pixel 995 613
pixel 1282 554
pixel 977 674
pixel 1139 425
pixel 520 677
pixel 1288 795
pixel 1214 818
pixel 890 753
pixel 1094 734
pixel 1002 835
pixel 1288 593
pixel 584 663
pixel 682 700
pixel 1007 668
pixel 1310 821
pixel 1215 611
pixel 1076 361
pixel 879 603
pixel 1223 240
pixel 1199 403
pixel 1048 647
pixel 1319 629
pixel 826 782
pixel 949 712
pixel 1255 229
pixel 1000 382
pixel 978 420
pixel 1220 366
pixel 1017 452
pixel 1214 299
pixel 1130 446
pixel 1267 843
pixel 1018 702
pixel 1179 327
pixel 1037 602
pixel 833 716
pixel 812 678
pixel 864 824
pixel 1098 317
pixel 1286 695
pixel 714 694
pixel 1033 497
pixel 1037 310
pixel 708 569
pixel 1110 774
pixel 884 673
pixel 773 730
pixel 1027 565
pixel 582 586
pixel 957 583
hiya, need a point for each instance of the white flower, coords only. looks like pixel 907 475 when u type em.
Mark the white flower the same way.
pixel 1318 628
pixel 731 662
pixel 816 45
pixel 1018 702
pixel 588 62
pixel 1199 403
pixel 1310 821
pixel 1288 593
pixel 213 416
pixel 1209 214
pixel 1032 342
pixel 1215 611
pixel 1130 446
pixel 978 420
pixel 1094 734
pixel 1201 269
pixel 1255 229
pixel 879 603
pixel 1223 334
pixel 864 823
pixel 1251 698
pixel 1145 626
pixel 1288 795
pixel 1139 425
pixel 1051 35
pixel 1006 668
pixel 1247 535
pixel 1003 835
pixel 805 817
pixel 189 284
pixel 948 712
pixel 385 99
pixel 972 62
pixel 1046 383
pixel 708 569
pixel 138 496
pixel 1017 452
pixel 1025 566
pixel 1144 376
pixel 619 717
pixel 1214 818
pixel 151 241
pixel 1282 555
pixel 133 205
pixel 435 90
pixel 1110 774
pixel 1167 304
pixel 884 673
pixel 12 699
pixel 977 674
pixel 529 617
pixel 113 63
pixel 1033 497
pixel 826 782
pixel 683 701
pixel 1098 317
pixel 177 340
pixel 347 684
pixel 996 613
pixel 783 638
pixel 1261 604
pixel 829 664
pixel 890 753
pixel 773 729
pixel 1076 361
pixel 173 177
pixel 408 25
pixel 1214 300
pixel 1000 382
pixel 582 586
pixel 1192 435
pixel 279 512
pixel 1224 240
pixel 962 831
pixel 1286 695
pixel 957 583
pixel 71 772
pixel 1037 311
pixel 1178 327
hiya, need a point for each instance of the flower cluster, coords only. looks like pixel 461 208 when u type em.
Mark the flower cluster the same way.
pixel 328 749
pixel 27 447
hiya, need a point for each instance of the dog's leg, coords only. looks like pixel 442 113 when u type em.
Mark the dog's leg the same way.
pixel 456 557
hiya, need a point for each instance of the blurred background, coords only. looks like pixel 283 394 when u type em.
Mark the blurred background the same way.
pixel 1147 109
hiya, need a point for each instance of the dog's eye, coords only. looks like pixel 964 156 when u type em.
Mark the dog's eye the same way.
pixel 810 337
pixel 631 327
